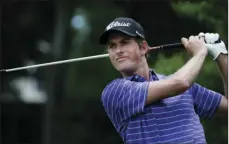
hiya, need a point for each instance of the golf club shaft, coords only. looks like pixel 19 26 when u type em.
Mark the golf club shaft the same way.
pixel 56 63
pixel 83 58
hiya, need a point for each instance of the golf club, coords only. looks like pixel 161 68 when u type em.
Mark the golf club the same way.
pixel 85 58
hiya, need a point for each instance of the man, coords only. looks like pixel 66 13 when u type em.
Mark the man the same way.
pixel 146 107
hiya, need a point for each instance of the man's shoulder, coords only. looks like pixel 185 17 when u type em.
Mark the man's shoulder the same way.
pixel 111 85
pixel 114 82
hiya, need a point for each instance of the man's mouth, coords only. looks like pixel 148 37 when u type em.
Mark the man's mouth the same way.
pixel 121 58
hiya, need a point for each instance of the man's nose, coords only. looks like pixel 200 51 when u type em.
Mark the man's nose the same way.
pixel 118 50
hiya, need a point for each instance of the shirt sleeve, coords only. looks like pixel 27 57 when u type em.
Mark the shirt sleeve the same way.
pixel 123 99
pixel 205 101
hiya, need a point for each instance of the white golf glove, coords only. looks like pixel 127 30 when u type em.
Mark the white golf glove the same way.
pixel 214 44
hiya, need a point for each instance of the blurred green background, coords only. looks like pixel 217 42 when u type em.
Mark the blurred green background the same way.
pixel 61 104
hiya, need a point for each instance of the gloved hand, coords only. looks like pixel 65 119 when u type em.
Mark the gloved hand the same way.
pixel 214 44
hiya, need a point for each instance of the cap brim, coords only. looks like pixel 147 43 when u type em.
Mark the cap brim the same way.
pixel 104 37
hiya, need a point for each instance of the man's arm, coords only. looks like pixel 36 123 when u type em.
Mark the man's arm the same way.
pixel 222 63
pixel 218 51
pixel 181 80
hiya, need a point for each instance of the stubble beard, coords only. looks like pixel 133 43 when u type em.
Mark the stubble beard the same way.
pixel 126 68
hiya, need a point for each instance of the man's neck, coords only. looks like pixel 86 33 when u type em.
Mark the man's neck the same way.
pixel 143 71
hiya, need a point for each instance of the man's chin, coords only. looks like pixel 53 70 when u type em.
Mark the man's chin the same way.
pixel 126 69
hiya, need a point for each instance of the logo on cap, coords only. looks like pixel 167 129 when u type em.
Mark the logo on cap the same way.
pixel 117 24
pixel 139 34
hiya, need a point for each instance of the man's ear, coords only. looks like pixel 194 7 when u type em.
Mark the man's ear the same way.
pixel 144 47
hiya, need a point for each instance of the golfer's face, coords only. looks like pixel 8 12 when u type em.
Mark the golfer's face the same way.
pixel 124 53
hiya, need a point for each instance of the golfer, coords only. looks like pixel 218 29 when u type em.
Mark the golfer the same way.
pixel 146 107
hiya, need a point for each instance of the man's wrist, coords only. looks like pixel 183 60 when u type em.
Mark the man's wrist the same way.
pixel 218 52
pixel 221 57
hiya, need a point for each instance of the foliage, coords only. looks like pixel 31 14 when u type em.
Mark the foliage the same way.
pixel 169 65
pixel 211 12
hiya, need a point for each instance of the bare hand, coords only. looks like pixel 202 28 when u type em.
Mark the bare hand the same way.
pixel 195 45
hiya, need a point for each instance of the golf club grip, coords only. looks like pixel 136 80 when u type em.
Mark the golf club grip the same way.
pixel 173 45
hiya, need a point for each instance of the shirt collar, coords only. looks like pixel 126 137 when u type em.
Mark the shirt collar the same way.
pixel 153 77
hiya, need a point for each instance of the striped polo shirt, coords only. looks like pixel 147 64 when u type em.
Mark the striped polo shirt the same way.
pixel 172 120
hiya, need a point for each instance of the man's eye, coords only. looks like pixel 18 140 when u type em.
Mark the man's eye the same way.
pixel 124 42
pixel 110 46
